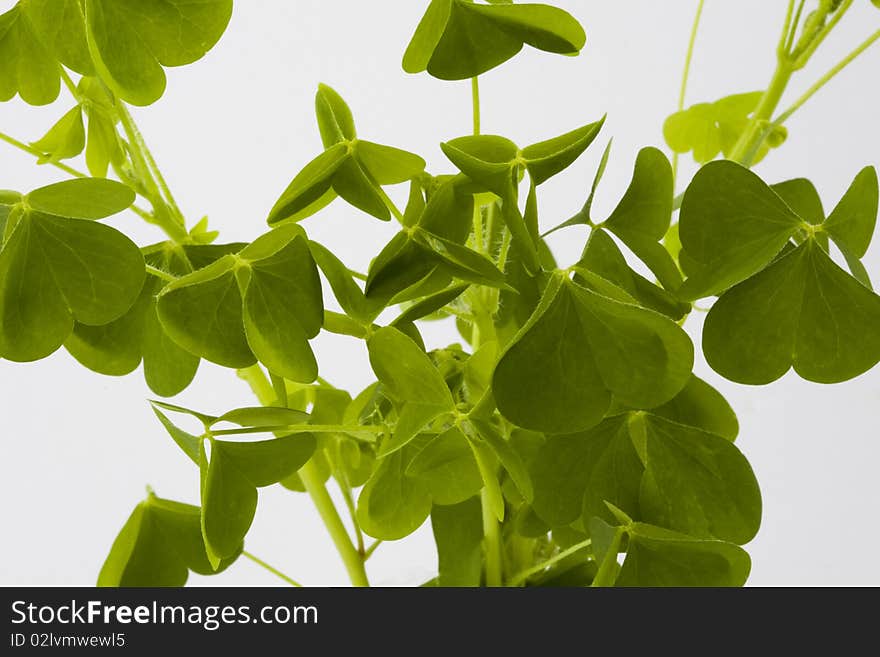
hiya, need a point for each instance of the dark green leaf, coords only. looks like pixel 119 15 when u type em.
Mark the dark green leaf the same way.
pixel 458 533
pixel 603 257
pixel 801 196
pixel 732 225
pixel 700 405
pixel 698 483
pixel 803 310
pixel 658 557
pixel 457 39
pixel 575 474
pixel 486 159
pixel 55 270
pixel 462 262
pixel 548 158
pixel 547 379
pixel 851 224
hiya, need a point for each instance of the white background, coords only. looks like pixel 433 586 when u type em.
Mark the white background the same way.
pixel 233 129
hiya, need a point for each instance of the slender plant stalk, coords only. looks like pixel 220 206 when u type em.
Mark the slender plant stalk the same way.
pixel 492 537
pixel 74 173
pixel 369 552
pixel 825 79
pixel 475 99
pixel 521 577
pixel 686 75
pixel 164 275
pixel 270 568
pixel 12 141
pixel 782 48
pixel 802 58
pixel 353 560
pixel 482 326
pixel 352 512
pixel 753 135
pixel 133 131
pixel 792 29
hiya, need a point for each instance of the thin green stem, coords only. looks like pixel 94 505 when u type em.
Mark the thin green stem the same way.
pixel 478 228
pixel 357 275
pixel 801 59
pixel 270 568
pixel 793 26
pixel 786 29
pixel 353 560
pixel 475 100
pixel 314 485
pixel 352 512
pixel 492 542
pixel 389 203
pixel 12 141
pixel 169 223
pixel 521 577
pixel 151 163
pixel 71 87
pixel 753 135
pixel 687 73
pixel 825 79
pixel 371 549
pixel 164 275
pixel 75 173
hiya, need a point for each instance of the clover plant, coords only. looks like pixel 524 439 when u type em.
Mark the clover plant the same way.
pixel 565 441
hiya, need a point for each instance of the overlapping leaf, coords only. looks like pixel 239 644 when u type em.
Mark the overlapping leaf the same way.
pixel 230 479
pixel 117 348
pixel 495 163
pixel 457 39
pixel 658 557
pixel 578 349
pixel 412 381
pixel 782 308
pixel 732 225
pixel 458 533
pixel 677 474
pixel 264 303
pixel 802 311
pixel 58 267
pixel 158 546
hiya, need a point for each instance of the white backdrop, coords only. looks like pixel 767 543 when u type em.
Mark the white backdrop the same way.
pixel 233 129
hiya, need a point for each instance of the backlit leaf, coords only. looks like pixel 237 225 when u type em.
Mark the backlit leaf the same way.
pixel 131 43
